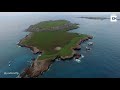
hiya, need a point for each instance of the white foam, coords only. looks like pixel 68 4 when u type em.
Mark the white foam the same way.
pixel 78 60
pixel 82 56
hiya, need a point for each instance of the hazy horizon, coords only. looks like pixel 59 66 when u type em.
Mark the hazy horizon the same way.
pixel 55 13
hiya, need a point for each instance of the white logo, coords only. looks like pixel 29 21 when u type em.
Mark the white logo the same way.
pixel 11 73
pixel 113 18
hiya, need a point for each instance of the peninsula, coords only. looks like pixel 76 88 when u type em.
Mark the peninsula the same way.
pixel 52 41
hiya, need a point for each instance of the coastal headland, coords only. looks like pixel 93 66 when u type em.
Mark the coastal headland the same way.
pixel 51 40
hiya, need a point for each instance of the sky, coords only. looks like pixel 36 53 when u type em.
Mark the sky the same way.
pixel 44 13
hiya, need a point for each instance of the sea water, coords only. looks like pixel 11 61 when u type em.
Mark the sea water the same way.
pixel 103 60
pixel 13 58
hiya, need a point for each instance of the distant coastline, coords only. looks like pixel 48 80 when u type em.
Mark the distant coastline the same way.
pixel 97 18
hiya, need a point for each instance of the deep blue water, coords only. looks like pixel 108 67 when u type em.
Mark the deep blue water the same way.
pixel 102 61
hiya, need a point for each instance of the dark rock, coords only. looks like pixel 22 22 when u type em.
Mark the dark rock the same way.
pixel 77 47
pixel 77 56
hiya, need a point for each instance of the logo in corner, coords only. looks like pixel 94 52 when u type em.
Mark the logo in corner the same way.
pixel 113 18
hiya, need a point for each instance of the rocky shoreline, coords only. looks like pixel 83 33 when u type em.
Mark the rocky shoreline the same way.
pixel 39 66
pixel 35 50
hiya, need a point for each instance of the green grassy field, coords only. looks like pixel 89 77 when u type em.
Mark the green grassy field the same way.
pixel 48 41
pixel 52 26
pixel 49 24
pixel 55 35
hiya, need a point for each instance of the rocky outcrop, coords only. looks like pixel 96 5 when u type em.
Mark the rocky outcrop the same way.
pixel 37 68
pixel 85 39
pixel 77 47
pixel 77 56
pixel 35 50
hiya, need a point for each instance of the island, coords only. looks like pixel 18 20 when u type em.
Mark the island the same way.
pixel 95 18
pixel 51 40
